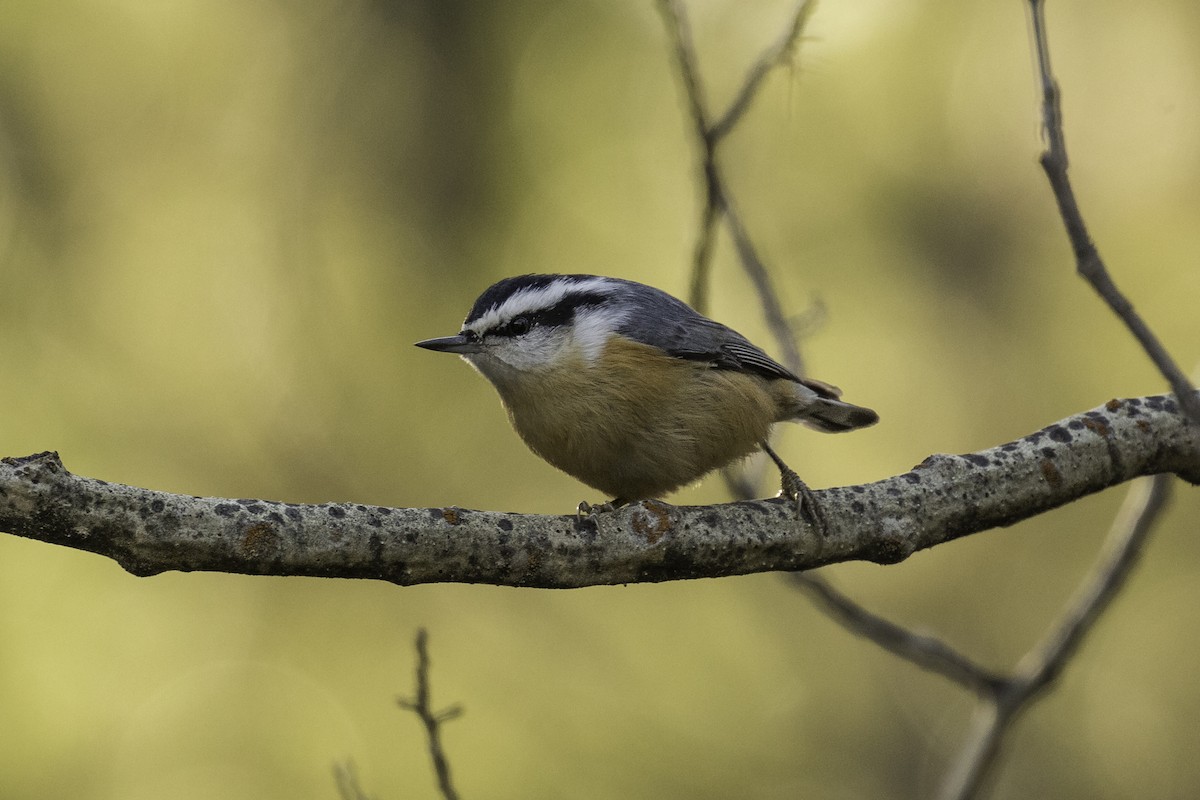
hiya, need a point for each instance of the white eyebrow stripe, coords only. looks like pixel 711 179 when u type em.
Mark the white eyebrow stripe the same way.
pixel 530 299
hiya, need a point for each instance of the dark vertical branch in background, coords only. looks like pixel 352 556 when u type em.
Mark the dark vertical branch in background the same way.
pixel 421 705
pixel 1045 662
pixel 1003 697
pixel 718 202
pixel 925 651
pixel 1006 697
pixel 1088 263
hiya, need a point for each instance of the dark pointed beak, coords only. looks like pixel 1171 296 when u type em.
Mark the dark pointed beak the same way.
pixel 451 344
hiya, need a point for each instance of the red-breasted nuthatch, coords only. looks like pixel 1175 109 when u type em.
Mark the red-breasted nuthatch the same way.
pixel 628 389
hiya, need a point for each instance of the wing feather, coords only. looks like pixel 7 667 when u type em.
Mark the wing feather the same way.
pixel 674 327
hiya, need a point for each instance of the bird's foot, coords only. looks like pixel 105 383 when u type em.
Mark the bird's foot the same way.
pixel 796 490
pixel 586 509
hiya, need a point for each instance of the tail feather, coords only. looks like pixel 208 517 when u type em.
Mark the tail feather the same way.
pixel 835 416
pixel 817 405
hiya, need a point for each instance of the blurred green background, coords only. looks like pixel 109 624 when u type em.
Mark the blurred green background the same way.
pixel 223 224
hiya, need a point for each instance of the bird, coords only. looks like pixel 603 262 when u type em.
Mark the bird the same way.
pixel 631 391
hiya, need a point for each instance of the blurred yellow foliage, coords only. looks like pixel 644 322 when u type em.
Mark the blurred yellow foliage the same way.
pixel 222 225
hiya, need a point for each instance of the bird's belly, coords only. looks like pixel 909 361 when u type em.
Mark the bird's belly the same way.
pixel 635 439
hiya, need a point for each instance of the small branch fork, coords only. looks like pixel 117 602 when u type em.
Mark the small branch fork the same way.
pixel 421 705
pixel 718 202
pixel 1005 696
pixel 1043 664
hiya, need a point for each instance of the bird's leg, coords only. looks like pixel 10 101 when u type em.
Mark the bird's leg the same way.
pixel 586 509
pixel 798 491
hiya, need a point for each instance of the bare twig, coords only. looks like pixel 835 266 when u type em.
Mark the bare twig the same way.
pixel 924 650
pixel 921 649
pixel 346 777
pixel 1004 696
pixel 718 202
pixel 675 21
pixel 1043 664
pixel 780 53
pixel 1087 258
pixel 432 720
pixel 777 320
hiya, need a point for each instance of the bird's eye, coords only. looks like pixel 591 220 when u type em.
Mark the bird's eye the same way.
pixel 470 336
pixel 519 325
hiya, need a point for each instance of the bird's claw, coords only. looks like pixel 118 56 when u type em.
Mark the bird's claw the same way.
pixel 807 507
pixel 586 509
pixel 796 490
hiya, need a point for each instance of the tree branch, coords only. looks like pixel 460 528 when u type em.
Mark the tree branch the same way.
pixel 1043 664
pixel 927 652
pixel 421 705
pixel 1087 258
pixel 943 498
pixel 345 776
pixel 718 201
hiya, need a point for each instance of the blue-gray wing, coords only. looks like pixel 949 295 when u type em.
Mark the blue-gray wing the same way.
pixel 725 348
pixel 662 321
pixel 665 322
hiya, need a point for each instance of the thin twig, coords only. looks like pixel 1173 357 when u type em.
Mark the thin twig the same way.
pixel 1005 696
pixel 781 53
pixel 1088 263
pixel 346 777
pixel 705 239
pixel 675 21
pixel 777 320
pixel 923 650
pixel 421 706
pixel 1043 664
pixel 718 202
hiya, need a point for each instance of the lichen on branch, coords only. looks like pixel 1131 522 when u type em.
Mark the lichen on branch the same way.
pixel 942 498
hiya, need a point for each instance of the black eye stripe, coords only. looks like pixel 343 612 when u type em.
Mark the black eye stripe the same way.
pixel 561 313
pixel 517 326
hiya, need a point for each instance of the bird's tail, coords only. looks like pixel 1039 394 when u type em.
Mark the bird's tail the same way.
pixel 818 405
pixel 835 416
